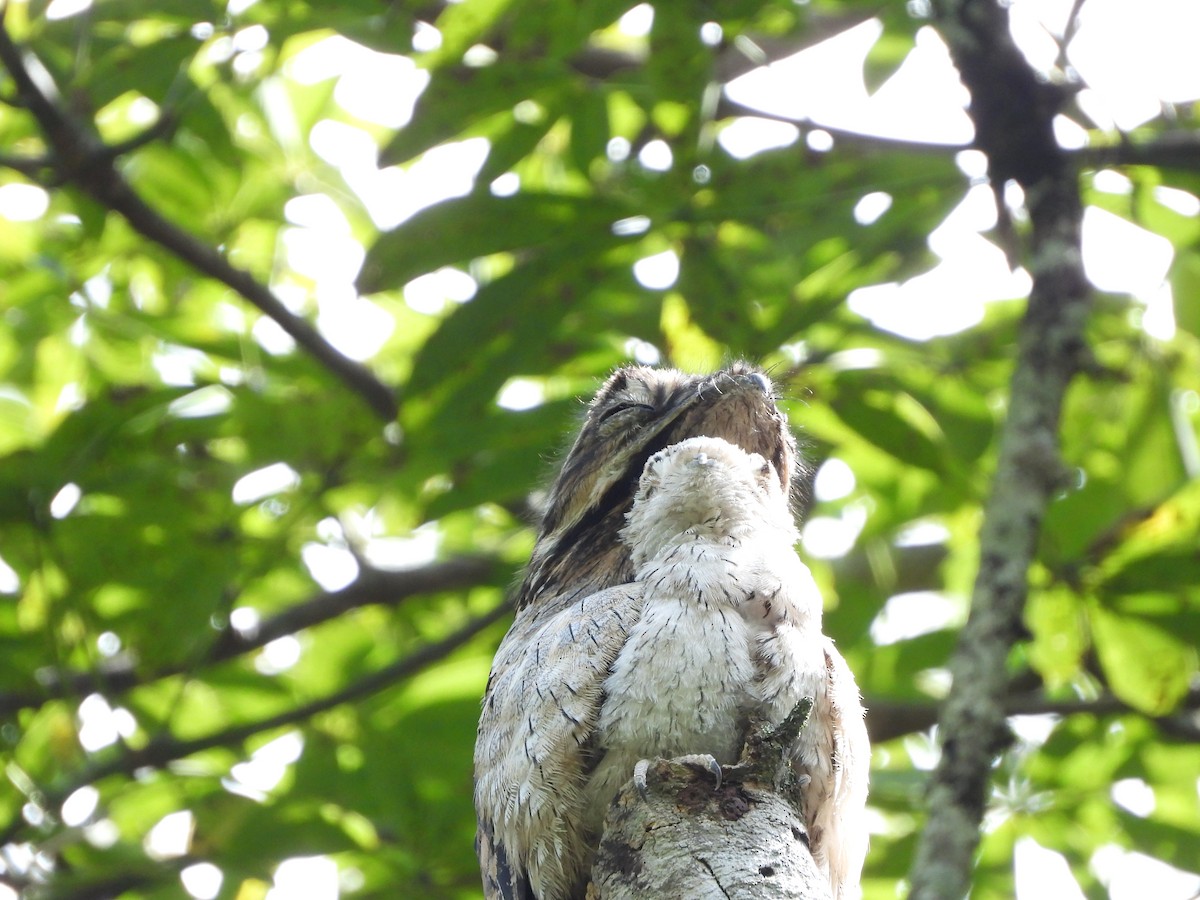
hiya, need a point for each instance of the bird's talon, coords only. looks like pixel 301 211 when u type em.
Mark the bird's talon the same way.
pixel 639 777
pixel 708 763
pixel 715 768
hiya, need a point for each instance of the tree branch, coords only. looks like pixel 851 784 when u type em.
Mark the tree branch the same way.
pixel 1069 32
pixel 1013 114
pixel 161 129
pixel 657 837
pixel 727 108
pixel 1170 150
pixel 686 839
pixel 162 750
pixel 372 587
pixel 81 158
pixel 890 719
pixel 31 167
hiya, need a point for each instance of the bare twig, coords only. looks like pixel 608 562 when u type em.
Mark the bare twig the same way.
pixel 372 587
pixel 1013 114
pixel 1069 31
pixel 82 158
pixel 162 128
pixel 1171 150
pixel 889 719
pixel 727 108
pixel 30 166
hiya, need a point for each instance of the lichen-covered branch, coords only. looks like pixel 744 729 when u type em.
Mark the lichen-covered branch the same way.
pixel 685 839
pixel 681 835
pixel 1013 113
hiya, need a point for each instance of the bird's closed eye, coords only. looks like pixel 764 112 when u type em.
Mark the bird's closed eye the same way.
pixel 621 408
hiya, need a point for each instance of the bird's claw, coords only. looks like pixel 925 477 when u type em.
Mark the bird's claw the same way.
pixel 639 777
pixel 707 762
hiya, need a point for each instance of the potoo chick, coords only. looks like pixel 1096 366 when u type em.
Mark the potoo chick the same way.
pixel 664 609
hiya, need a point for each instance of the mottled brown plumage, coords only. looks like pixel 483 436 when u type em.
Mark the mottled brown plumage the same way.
pixel 560 724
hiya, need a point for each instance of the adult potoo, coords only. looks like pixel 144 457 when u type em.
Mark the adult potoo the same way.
pixel 583 684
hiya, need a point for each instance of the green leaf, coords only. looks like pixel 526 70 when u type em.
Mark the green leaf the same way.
pixel 458 107
pixel 1185 287
pixel 1057 620
pixel 885 58
pixel 895 423
pixel 589 127
pixel 1146 666
pixel 464 24
pixel 478 225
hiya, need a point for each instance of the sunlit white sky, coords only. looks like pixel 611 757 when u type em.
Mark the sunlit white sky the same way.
pixel 1134 57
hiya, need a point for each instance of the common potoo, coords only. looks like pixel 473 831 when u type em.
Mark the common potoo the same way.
pixel 661 626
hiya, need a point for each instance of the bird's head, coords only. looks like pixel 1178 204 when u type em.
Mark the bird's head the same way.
pixel 639 411
pixel 709 489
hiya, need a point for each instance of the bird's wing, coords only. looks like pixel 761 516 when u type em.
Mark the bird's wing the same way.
pixel 533 753
pixel 852 764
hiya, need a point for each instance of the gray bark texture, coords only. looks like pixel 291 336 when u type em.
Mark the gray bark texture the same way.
pixel 742 841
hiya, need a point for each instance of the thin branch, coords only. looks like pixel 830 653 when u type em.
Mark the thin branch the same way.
pixel 372 587
pixel 103 887
pixel 1173 150
pixel 161 129
pixel 732 58
pixel 162 750
pixel 1170 150
pixel 32 167
pixel 1013 114
pixel 49 171
pixel 727 108
pixel 890 719
pixel 1074 20
pixel 81 158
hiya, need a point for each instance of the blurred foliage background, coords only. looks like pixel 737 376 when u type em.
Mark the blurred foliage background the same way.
pixel 246 619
